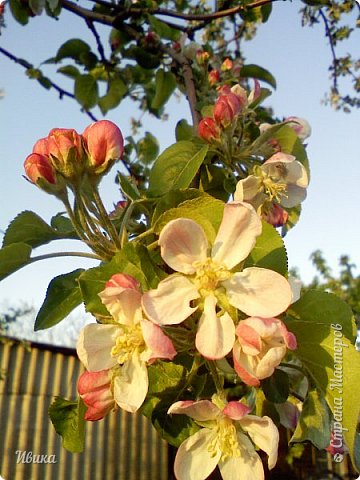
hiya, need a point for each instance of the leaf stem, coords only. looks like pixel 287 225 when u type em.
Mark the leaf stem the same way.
pixel 65 254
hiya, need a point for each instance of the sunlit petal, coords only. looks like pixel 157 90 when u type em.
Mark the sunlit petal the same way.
pixel 183 242
pixel 193 460
pixel 94 346
pixel 169 304
pixel 237 234
pixel 247 466
pixel 259 292
pixel 131 384
pixel 215 335
pixel 202 410
pixel 159 345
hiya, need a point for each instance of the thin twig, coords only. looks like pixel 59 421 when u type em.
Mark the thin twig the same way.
pixel 100 47
pixel 60 90
pixel 332 48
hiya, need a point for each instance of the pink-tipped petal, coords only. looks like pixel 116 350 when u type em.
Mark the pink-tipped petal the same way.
pixel 215 335
pixel 202 410
pixel 95 390
pixel 124 304
pixel 236 410
pixel 94 346
pixel 249 338
pixel 259 292
pixel 159 344
pixel 183 242
pixel 237 234
pixel 245 366
pixel 131 384
pixel 169 304
pixel 193 460
pixel 264 434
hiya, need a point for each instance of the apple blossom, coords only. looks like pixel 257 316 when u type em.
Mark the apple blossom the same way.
pixel 65 151
pixel 95 390
pixel 300 126
pixel 203 280
pixel 104 143
pixel 127 345
pixel 227 107
pixel 208 130
pixel 224 441
pixel 280 180
pixel 260 346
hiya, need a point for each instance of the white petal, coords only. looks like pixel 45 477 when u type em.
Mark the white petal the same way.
pixel 264 434
pixel 294 196
pixel 169 304
pixel 193 461
pixel 183 242
pixel 215 335
pixel 94 346
pixel 247 466
pixel 131 384
pixel 297 174
pixel 237 234
pixel 125 307
pixel 202 410
pixel 259 292
pixel 247 189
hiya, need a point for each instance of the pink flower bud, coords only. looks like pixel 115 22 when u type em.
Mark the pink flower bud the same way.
pixel 226 65
pixel 214 77
pixel 226 108
pixel 122 280
pixel 95 390
pixel 260 346
pixel 104 143
pixel 275 215
pixel 202 57
pixel 300 126
pixel 65 151
pixel 208 130
pixel 38 167
pixel 41 147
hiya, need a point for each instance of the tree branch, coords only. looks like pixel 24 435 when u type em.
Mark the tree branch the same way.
pixel 55 86
pixel 332 48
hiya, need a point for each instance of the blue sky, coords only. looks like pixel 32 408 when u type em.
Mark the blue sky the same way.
pixel 298 57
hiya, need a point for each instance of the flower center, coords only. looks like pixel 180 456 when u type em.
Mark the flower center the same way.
pixel 272 185
pixel 208 275
pixel 130 340
pixel 225 440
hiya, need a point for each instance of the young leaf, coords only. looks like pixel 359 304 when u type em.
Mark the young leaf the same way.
pixel 73 48
pixel 37 6
pixel 86 91
pixel 176 167
pixel 68 420
pixel 165 85
pixel 13 257
pixel 325 332
pixel 20 11
pixel 254 71
pixel 269 251
pixel 29 228
pixel 163 30
pixel 173 199
pixel 128 187
pixel 148 148
pixel 114 95
pixel 205 210
pixel 62 296
pixel 276 388
pixel 314 421
pixel 183 131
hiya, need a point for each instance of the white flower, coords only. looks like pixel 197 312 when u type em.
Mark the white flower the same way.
pixel 204 277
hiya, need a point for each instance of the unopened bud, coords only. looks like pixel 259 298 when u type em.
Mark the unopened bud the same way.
pixel 226 65
pixel 202 57
pixel 208 130
pixel 214 77
pixel 275 215
pixel 300 126
pixel 65 151
pixel 226 108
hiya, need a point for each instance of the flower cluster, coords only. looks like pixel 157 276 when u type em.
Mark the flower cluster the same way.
pixel 64 155
pixel 231 310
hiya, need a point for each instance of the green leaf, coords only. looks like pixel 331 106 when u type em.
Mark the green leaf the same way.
pixel 31 229
pixel 212 179
pixel 68 420
pixel 183 131
pixel 86 91
pixel 325 332
pixel 62 296
pixel 294 215
pixel 254 71
pixel 134 260
pixel 37 6
pixel 128 187
pixel 73 48
pixel 115 94
pixel 13 257
pixel 173 199
pixel 314 421
pixel 69 71
pixel 276 388
pixel 176 167
pixel 143 57
pixel 269 251
pixel 167 381
pixel 205 210
pixel 52 4
pixel 291 144
pixel 20 11
pixel 163 29
pixel 148 148
pixel 165 85
pixel 63 226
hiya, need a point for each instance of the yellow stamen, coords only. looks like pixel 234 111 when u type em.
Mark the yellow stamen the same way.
pixel 225 440
pixel 130 340
pixel 208 275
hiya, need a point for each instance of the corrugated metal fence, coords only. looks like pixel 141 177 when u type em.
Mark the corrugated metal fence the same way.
pixel 120 447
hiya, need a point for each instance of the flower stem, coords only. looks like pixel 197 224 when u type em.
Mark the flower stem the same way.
pixel 65 254
pixel 215 376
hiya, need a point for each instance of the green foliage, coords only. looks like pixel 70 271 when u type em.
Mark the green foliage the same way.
pixel 13 257
pixel 328 354
pixel 176 167
pixel 86 91
pixel 277 387
pixel 116 91
pixel 68 420
pixel 62 296
pixel 165 85
pixel 314 421
pixel 255 71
